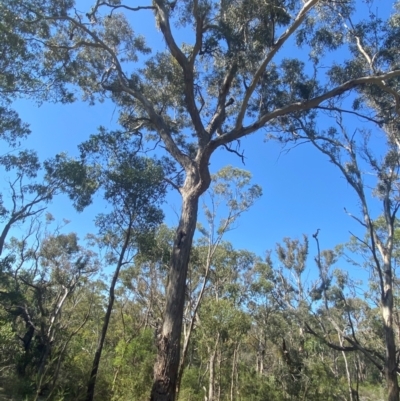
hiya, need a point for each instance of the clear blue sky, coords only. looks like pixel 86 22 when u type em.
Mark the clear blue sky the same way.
pixel 302 190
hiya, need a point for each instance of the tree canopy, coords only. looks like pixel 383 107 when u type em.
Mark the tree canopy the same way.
pixel 225 71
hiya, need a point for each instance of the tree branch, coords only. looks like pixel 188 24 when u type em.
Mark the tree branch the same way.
pixel 156 118
pixel 187 68
pixel 336 347
pixel 239 132
pixel 277 46
pixel 241 155
pixel 331 108
pixel 220 113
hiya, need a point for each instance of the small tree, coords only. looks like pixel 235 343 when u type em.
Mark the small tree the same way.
pixel 27 196
pixel 42 274
pixel 134 187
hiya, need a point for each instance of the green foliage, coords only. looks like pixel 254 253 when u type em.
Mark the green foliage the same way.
pixel 241 318
pixel 134 361
pixel 41 290
pixel 221 317
pixel 10 352
pixel 256 388
pixel 233 185
pixel 230 188
pixel 76 179
pixel 252 330
pixel 22 70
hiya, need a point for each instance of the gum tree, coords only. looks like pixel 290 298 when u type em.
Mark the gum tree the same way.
pixel 352 154
pixel 134 188
pixel 40 281
pixel 230 186
pixel 224 71
pixel 369 161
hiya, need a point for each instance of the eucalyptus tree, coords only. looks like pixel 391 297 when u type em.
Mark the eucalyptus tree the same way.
pixel 230 188
pixel 15 62
pixel 374 47
pixel 23 73
pixel 26 195
pixel 330 308
pixel 218 324
pixel 222 328
pixel 227 79
pixel 44 272
pixel 134 188
pixel 352 154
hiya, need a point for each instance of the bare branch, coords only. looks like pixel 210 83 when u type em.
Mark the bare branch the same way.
pixel 332 108
pixel 173 185
pixel 355 218
pixel 116 6
pixel 241 155
pixel 336 347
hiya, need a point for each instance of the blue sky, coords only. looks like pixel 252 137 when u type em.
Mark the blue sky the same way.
pixel 302 190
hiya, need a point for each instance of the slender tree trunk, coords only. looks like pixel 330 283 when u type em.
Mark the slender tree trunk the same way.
pixel 349 385
pixel 360 368
pixel 262 347
pixel 183 358
pixel 167 364
pixel 99 349
pixel 237 374
pixel 185 349
pixel 211 376
pixel 47 338
pixel 234 372
pixel 115 378
pixel 387 314
pixel 219 359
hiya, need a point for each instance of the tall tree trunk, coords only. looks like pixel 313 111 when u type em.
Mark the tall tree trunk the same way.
pixel 211 376
pixel 387 314
pixel 168 342
pixel 261 350
pixel 219 360
pixel 99 349
pixel 234 371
